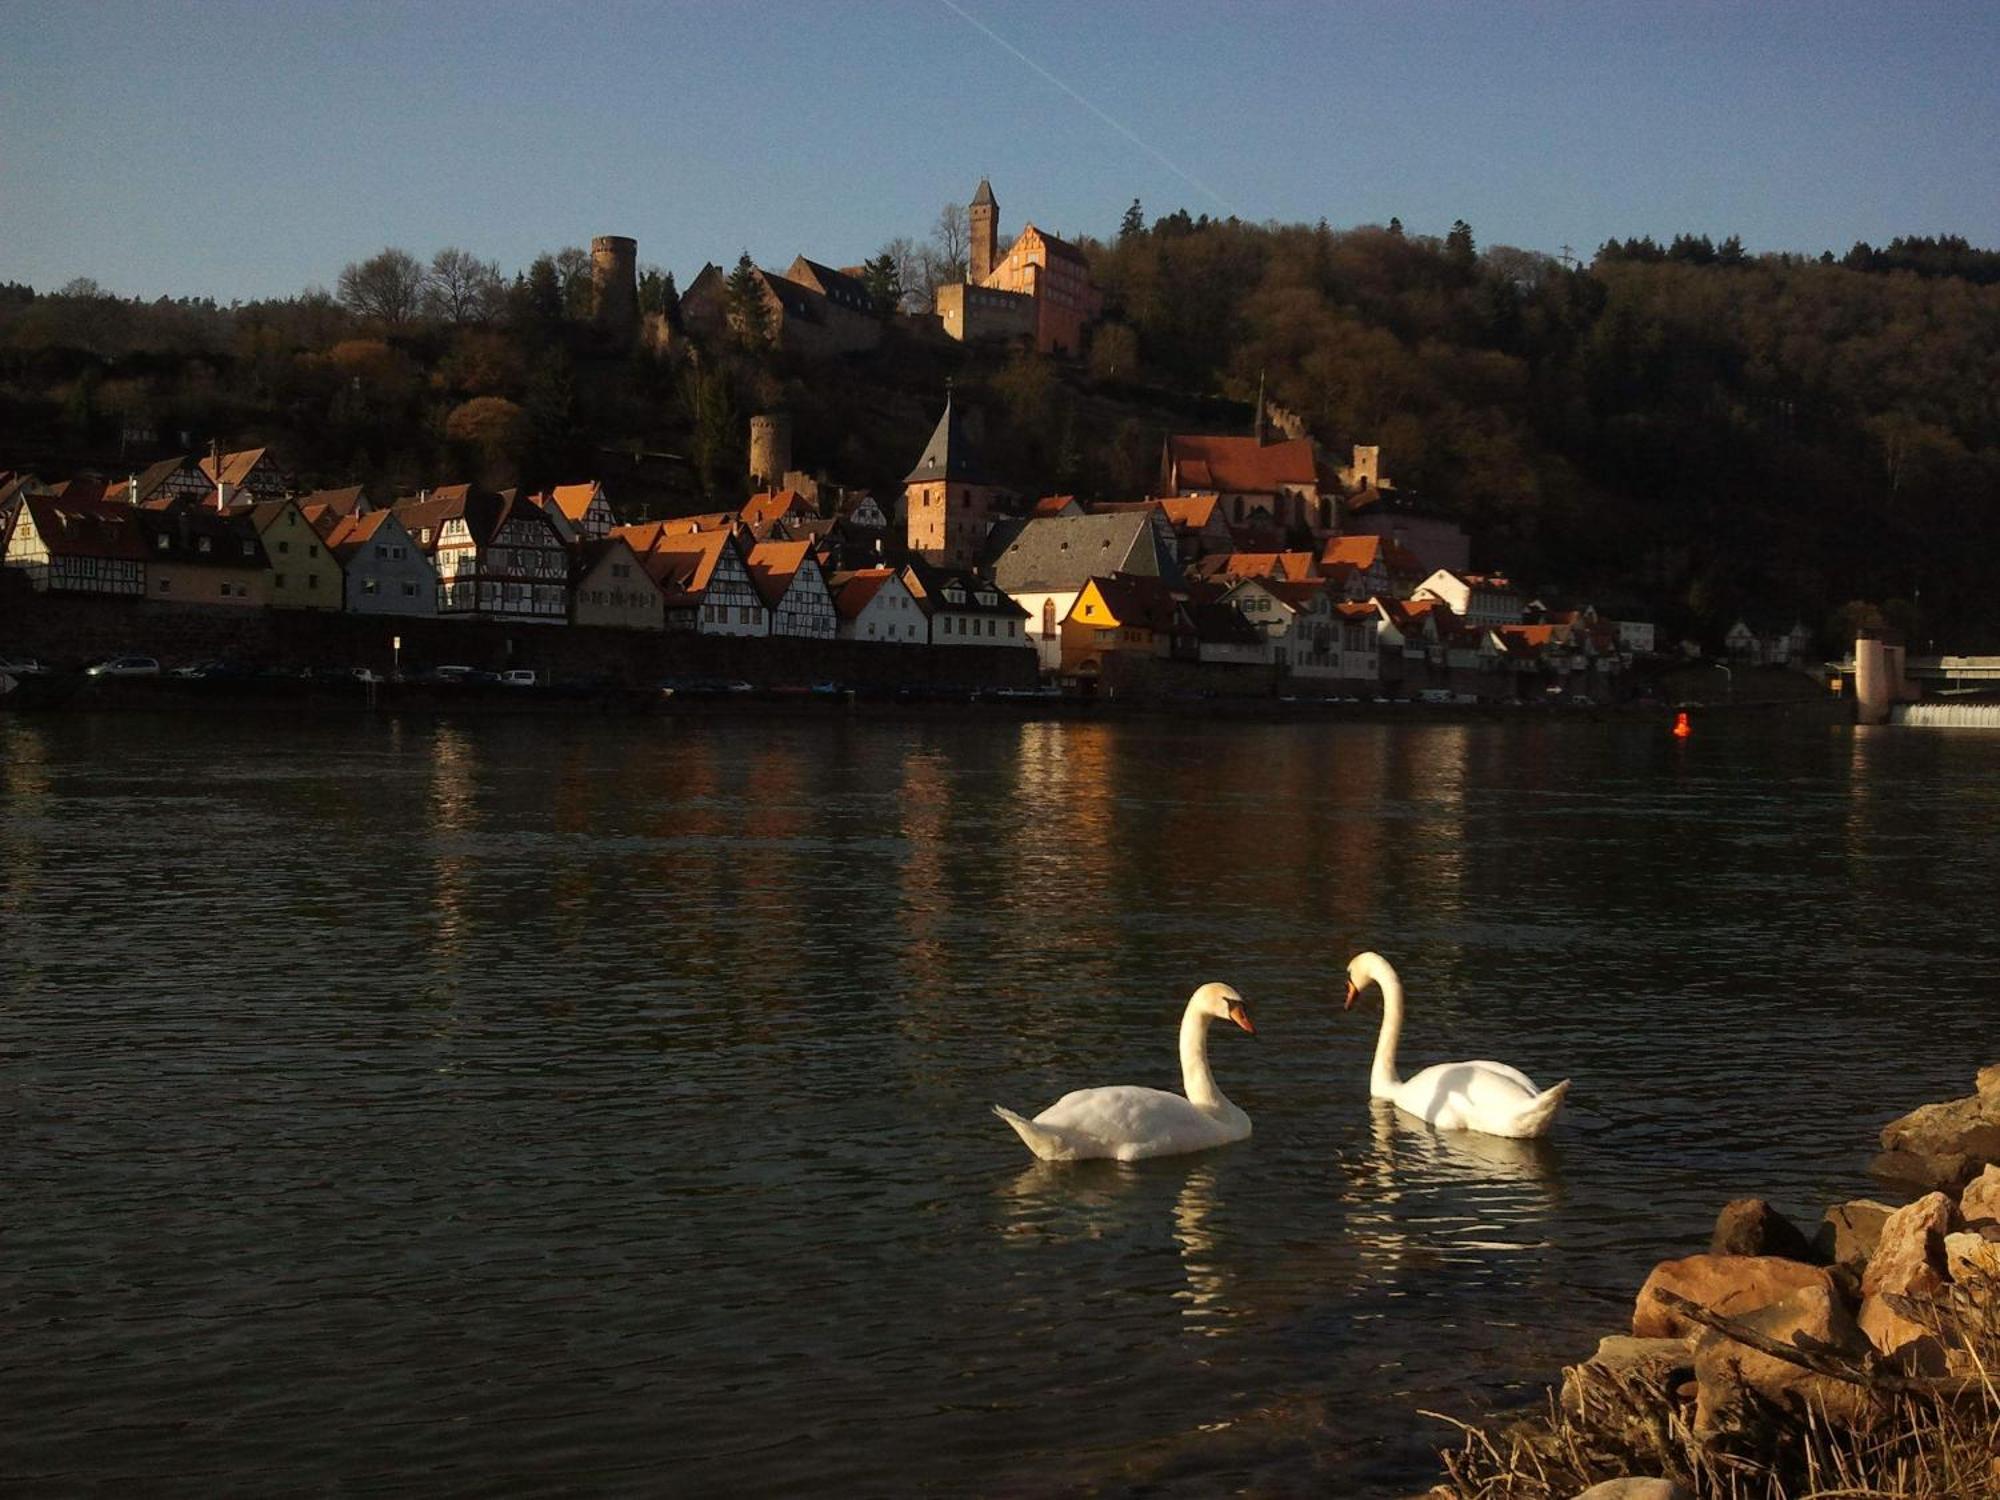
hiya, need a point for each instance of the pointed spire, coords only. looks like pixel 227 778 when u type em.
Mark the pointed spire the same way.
pixel 984 197
pixel 949 454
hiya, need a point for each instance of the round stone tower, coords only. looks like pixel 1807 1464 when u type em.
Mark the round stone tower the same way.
pixel 770 449
pixel 614 286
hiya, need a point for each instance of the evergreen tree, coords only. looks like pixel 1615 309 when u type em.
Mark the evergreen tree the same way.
pixel 1460 253
pixel 1395 226
pixel 884 279
pixel 1133 223
pixel 748 315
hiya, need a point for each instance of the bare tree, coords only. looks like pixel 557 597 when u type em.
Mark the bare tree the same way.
pixel 951 242
pixel 908 260
pixel 388 287
pixel 573 266
pixel 460 287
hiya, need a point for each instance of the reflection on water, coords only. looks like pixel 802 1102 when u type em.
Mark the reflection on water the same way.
pixel 605 1105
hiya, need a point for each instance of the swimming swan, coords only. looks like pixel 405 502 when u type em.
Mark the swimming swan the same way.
pixel 1129 1124
pixel 1489 1097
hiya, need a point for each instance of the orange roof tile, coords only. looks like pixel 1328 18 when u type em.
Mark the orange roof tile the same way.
pixel 1240 465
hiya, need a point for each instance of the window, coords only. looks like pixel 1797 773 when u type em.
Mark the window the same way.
pixel 201 544
pixel 166 586
pixel 280 580
pixel 409 590
pixel 369 586
pixel 312 549
pixel 312 580
pixel 381 551
pixel 160 541
pixel 284 547
pixel 225 591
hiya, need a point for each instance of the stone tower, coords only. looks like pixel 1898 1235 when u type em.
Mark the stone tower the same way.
pixel 950 500
pixel 770 449
pixel 983 216
pixel 614 286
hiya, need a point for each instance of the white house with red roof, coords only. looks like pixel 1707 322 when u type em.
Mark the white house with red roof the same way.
pixel 875 604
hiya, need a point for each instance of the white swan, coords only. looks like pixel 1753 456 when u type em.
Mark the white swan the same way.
pixel 1127 1123
pixel 1489 1097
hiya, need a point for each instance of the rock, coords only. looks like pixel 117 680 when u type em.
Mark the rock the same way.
pixel 1912 1346
pixel 1750 1226
pixel 1980 1202
pixel 1723 1368
pixel 1618 1359
pixel 1909 1257
pixel 1942 1145
pixel 1970 1257
pixel 1634 1489
pixel 1849 1232
pixel 1988 1081
pixel 1728 1284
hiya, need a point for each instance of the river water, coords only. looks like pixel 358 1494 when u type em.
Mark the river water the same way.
pixel 541 1106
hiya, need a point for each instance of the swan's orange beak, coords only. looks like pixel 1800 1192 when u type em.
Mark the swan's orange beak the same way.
pixel 1353 994
pixel 1240 1014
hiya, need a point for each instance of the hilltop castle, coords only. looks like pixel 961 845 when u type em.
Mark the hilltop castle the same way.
pixel 1039 289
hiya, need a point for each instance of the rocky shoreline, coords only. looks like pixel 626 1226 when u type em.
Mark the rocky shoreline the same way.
pixel 1862 1360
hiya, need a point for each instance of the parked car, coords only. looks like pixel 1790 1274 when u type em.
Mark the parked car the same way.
pixel 521 677
pixel 126 666
pixel 458 674
pixel 22 666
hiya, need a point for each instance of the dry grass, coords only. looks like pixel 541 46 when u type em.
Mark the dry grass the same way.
pixel 1941 1445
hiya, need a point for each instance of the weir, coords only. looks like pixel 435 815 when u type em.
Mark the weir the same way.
pixel 1947 715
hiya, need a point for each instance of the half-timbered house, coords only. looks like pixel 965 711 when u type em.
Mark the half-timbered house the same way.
pixel 70 548
pixel 497 557
pixel 793 587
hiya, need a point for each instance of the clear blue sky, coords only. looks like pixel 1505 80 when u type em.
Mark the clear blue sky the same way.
pixel 241 149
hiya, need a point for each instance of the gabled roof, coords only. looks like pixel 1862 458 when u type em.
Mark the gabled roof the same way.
pixel 1364 552
pixel 1058 249
pixel 1060 554
pixel 177 536
pixel 1295 566
pixel 852 591
pixel 1240 464
pixel 148 480
pixel 90 529
pixel 771 566
pixel 849 291
pixel 574 500
pixel 587 556
pixel 347 535
pixel 1056 505
pixel 483 511
pixel 1145 602
pixel 949 454
pixel 236 467
pixel 345 502
pixel 682 566
pixel 1219 624
pixel 84 491
pixel 934 587
pixel 767 507
pixel 1191 512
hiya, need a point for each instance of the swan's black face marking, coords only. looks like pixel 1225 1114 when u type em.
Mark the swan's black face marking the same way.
pixel 1240 1014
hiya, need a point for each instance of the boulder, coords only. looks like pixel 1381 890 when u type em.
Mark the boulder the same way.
pixel 1988 1081
pixel 1942 1145
pixel 1970 1257
pixel 1727 1284
pixel 1911 1346
pixel 1909 1257
pixel 1980 1202
pixel 1750 1226
pixel 1618 1359
pixel 1812 1315
pixel 1634 1489
pixel 1849 1232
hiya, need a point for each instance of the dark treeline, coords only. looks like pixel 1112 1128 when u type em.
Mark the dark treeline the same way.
pixel 1685 427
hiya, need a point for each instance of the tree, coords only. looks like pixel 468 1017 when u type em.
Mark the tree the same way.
pixel 388 287
pixel 1395 226
pixel 573 266
pixel 748 315
pixel 658 294
pixel 1133 223
pixel 495 430
pixel 1460 253
pixel 460 287
pixel 538 296
pixel 951 240
pixel 883 278
pixel 1114 352
pixel 712 426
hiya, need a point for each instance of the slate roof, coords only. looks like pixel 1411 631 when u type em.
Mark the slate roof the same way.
pixel 177 536
pixel 984 197
pixel 1060 554
pixel 933 583
pixel 949 454
pixel 1139 601
pixel 1219 624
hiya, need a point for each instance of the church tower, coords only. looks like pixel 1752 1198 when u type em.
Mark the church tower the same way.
pixel 984 218
pixel 950 501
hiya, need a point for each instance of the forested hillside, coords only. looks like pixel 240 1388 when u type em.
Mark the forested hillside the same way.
pixel 1684 427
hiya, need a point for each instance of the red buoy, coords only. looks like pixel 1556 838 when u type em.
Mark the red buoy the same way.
pixel 1681 730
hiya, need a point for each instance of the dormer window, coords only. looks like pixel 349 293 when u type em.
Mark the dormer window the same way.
pixel 201 544
pixel 160 542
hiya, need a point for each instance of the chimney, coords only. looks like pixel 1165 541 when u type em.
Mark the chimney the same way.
pixel 132 490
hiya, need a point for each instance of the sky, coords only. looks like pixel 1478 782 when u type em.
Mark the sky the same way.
pixel 234 149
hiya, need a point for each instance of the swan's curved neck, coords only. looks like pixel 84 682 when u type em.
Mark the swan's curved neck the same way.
pixel 1382 1081
pixel 1196 1081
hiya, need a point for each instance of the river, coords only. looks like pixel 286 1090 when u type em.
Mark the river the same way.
pixel 549 1106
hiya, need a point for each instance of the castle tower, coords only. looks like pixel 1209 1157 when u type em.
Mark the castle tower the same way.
pixel 770 449
pixel 614 286
pixel 984 218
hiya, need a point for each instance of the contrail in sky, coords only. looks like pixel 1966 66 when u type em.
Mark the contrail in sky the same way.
pixel 1185 176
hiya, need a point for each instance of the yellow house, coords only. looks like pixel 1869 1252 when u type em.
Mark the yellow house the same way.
pixel 304 572
pixel 1122 613
pixel 196 557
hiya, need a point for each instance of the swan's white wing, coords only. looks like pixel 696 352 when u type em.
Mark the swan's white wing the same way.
pixel 1130 1122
